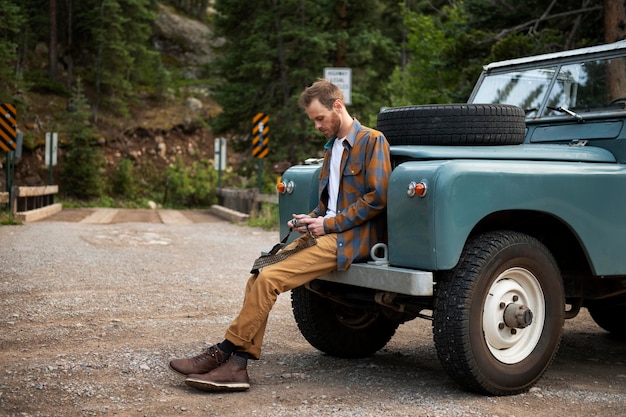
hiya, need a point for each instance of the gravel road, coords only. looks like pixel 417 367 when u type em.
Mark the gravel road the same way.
pixel 91 312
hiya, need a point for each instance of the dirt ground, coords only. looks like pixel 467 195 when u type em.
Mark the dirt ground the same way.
pixel 91 311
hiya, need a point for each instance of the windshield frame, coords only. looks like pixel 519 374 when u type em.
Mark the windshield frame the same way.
pixel 554 62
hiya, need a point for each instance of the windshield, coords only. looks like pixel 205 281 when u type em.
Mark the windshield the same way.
pixel 590 86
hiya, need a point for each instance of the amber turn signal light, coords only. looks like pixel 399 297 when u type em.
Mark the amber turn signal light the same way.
pixel 283 187
pixel 417 189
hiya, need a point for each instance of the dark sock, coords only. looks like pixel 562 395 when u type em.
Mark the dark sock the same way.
pixel 227 347
pixel 241 359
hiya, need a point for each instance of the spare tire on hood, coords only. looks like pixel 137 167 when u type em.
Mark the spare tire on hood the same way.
pixel 453 124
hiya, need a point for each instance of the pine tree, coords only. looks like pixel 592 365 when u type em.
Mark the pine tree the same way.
pixel 115 34
pixel 11 16
pixel 273 50
pixel 83 166
pixel 448 42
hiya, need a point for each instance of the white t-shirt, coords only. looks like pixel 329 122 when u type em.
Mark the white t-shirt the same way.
pixel 334 177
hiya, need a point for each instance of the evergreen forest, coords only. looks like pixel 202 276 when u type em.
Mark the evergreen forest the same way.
pixel 101 58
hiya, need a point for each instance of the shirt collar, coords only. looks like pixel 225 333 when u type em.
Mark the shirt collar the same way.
pixel 330 142
pixel 350 138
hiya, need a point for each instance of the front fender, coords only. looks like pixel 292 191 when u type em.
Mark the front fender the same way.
pixel 304 196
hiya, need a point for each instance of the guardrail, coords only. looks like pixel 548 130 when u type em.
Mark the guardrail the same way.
pixel 236 204
pixel 32 203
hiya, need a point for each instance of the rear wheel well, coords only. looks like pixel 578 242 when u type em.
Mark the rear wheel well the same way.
pixel 560 240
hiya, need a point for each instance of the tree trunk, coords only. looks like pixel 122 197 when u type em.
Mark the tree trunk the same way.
pixel 614 30
pixel 282 59
pixel 69 58
pixel 53 53
pixel 340 57
pixel 614 20
pixel 20 63
pixel 202 6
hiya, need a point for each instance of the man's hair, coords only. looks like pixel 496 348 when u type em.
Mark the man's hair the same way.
pixel 323 90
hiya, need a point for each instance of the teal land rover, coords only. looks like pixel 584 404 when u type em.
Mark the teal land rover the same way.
pixel 506 215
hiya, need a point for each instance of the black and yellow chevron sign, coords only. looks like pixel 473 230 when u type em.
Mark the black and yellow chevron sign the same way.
pixel 260 138
pixel 8 127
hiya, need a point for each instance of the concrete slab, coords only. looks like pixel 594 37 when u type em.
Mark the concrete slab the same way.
pixel 173 217
pixel 100 216
pixel 229 214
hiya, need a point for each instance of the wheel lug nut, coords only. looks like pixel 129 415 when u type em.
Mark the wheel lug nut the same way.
pixel 502 304
pixel 501 326
pixel 515 298
pixel 513 331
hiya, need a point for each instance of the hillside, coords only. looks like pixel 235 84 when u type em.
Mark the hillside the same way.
pixel 156 133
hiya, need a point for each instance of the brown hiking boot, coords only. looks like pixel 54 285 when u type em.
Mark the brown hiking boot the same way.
pixel 205 362
pixel 228 377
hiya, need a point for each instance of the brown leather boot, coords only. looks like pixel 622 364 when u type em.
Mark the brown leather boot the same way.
pixel 205 362
pixel 228 377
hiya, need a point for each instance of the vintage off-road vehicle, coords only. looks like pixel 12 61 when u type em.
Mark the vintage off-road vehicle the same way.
pixel 506 215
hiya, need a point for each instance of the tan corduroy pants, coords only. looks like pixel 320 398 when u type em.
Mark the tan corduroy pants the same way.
pixel 248 328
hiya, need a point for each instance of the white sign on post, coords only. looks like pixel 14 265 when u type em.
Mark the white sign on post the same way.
pixel 219 161
pixel 342 78
pixel 51 148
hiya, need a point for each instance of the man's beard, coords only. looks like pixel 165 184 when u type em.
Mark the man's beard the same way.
pixel 335 126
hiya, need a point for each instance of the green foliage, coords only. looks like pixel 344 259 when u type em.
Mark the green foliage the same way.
pixel 195 8
pixel 419 51
pixel 124 180
pixel 40 82
pixel 447 42
pixel 149 182
pixel 6 218
pixel 111 48
pixel 83 166
pixel 432 42
pixel 248 176
pixel 146 67
pixel 191 186
pixel 274 50
pixel 112 56
pixel 533 26
pixel 266 217
pixel 12 18
pixel 134 185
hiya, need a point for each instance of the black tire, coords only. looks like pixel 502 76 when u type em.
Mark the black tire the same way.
pixel 470 300
pixel 610 318
pixel 339 330
pixel 453 124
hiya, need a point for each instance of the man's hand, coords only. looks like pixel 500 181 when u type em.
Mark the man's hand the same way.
pixel 304 223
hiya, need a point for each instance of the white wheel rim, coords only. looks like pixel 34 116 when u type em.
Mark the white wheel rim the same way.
pixel 506 344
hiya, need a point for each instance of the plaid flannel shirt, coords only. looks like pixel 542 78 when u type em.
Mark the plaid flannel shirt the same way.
pixel 365 171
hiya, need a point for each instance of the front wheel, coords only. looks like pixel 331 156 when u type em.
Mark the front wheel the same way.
pixel 340 330
pixel 499 314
